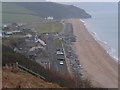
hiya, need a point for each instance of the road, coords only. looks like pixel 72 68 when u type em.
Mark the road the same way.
pixel 54 63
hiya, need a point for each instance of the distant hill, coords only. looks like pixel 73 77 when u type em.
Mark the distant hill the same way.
pixel 34 11
pixel 45 9
pixel 14 8
pixel 11 12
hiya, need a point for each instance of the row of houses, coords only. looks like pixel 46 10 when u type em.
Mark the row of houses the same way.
pixel 12 25
pixel 49 18
pixel 11 32
pixel 31 47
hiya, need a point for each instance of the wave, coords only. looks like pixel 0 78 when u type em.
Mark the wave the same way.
pixel 83 22
pixel 111 51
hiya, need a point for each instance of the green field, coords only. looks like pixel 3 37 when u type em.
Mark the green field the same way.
pixel 9 18
pixel 12 12
pixel 46 27
pixel 14 8
pixel 15 13
pixel 17 36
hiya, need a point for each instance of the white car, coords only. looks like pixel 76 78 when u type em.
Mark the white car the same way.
pixel 61 63
pixel 59 53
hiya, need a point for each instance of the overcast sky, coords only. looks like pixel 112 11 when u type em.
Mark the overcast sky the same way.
pixel 60 0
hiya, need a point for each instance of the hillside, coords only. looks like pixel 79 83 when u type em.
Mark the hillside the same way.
pixel 11 12
pixel 45 9
pixel 13 78
pixel 34 11
pixel 51 76
pixel 14 8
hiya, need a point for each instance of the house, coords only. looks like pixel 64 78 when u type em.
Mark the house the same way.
pixel 17 32
pixel 16 50
pixel 39 41
pixel 32 55
pixel 50 18
pixel 28 35
pixel 33 49
pixel 5 36
pixel 9 33
pixel 33 38
pixel 3 32
pixel 4 26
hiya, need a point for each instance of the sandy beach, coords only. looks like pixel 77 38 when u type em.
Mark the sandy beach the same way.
pixel 98 66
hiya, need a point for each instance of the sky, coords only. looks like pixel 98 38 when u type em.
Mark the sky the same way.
pixel 85 0
pixel 60 0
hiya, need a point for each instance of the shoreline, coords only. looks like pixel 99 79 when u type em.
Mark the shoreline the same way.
pixel 98 65
pixel 104 44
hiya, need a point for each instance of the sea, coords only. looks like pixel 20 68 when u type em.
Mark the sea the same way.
pixel 103 25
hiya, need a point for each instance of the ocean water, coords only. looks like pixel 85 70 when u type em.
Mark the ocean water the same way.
pixel 103 25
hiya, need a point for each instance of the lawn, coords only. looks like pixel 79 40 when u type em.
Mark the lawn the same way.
pixel 17 36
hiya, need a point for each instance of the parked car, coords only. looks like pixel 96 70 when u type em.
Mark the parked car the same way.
pixel 58 49
pixel 62 59
pixel 61 63
pixel 60 53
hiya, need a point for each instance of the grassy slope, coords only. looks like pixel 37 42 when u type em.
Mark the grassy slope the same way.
pixel 42 10
pixel 13 78
pixel 12 7
pixel 15 13
pixel 56 10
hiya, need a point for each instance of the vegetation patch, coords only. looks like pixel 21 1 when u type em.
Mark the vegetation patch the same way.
pixel 13 78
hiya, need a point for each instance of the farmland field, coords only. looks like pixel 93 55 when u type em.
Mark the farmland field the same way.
pixel 14 8
pixel 12 12
pixel 9 18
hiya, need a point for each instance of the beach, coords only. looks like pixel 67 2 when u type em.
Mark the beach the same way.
pixel 98 65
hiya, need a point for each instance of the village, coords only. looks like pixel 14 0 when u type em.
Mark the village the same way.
pixel 50 50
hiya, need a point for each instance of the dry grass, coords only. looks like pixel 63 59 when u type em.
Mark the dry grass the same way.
pixel 13 78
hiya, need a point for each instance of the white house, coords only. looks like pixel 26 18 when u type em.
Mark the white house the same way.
pixel 9 33
pixel 40 41
pixel 28 35
pixel 50 18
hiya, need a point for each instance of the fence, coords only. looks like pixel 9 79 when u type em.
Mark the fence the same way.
pixel 24 69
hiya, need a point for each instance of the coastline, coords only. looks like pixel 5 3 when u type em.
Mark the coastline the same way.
pixel 104 44
pixel 98 65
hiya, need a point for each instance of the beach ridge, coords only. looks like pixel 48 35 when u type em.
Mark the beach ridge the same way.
pixel 98 65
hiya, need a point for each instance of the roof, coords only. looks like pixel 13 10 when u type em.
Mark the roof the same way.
pixel 33 38
pixel 41 41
